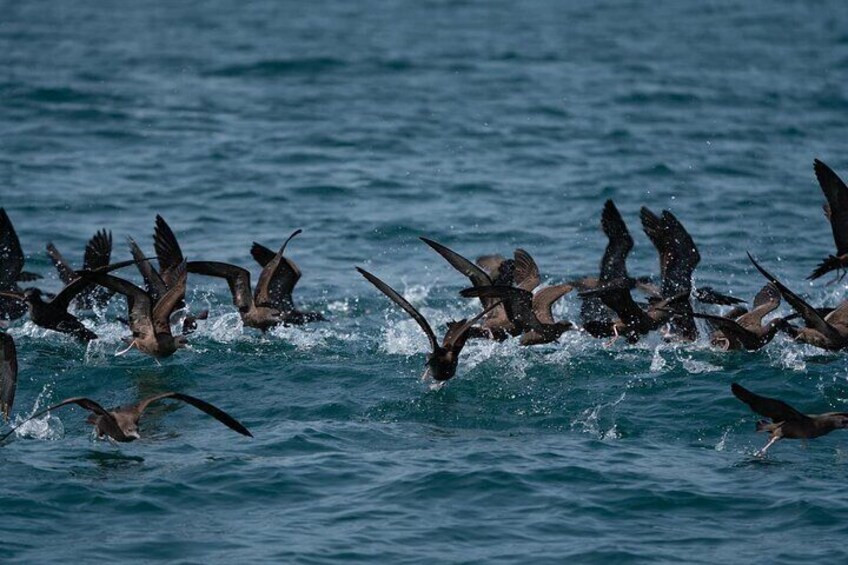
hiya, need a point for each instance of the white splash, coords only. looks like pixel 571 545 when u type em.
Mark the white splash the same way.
pixel 47 427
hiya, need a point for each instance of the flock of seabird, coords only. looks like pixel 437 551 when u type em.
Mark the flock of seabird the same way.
pixel 512 306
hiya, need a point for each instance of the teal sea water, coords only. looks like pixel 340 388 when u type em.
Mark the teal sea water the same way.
pixel 486 126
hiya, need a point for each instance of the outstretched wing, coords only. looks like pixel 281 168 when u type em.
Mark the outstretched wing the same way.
pixel 86 403
pixel 837 204
pixel 66 271
pixel 276 277
pixel 614 261
pixel 8 374
pixel 171 300
pixel 98 251
pixel 237 278
pixel 202 405
pixel 683 257
pixel 403 303
pixel 526 273
pixel 79 284
pixel 475 274
pixel 810 315
pixel 152 280
pixel 168 251
pixel 139 305
pixel 776 410
pixel 544 300
pixel 731 329
pixel 11 254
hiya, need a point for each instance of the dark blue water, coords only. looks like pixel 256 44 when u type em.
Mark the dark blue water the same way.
pixel 487 126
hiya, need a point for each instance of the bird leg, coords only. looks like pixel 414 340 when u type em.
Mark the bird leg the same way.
pixel 614 338
pixel 762 452
pixel 425 375
pixel 124 351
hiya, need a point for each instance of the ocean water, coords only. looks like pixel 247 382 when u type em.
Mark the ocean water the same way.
pixel 486 125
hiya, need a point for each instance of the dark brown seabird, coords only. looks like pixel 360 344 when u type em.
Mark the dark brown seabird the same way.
pixel 121 424
pixel 11 269
pixel 828 332
pixel 836 211
pixel 53 314
pixel 8 374
pixel 496 324
pixel 444 358
pixel 678 258
pixel 746 331
pixel 169 256
pixel 98 252
pixel 149 319
pixel 282 284
pixel 786 421
pixel 262 308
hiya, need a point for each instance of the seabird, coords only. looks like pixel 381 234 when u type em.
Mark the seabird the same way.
pixel 121 424
pixel 262 308
pixel 98 252
pixel 149 318
pixel 828 332
pixel 53 314
pixel 786 421
pixel 11 269
pixel 595 315
pixel 442 361
pixel 169 256
pixel 496 324
pixel 8 374
pixel 678 258
pixel 282 284
pixel 746 330
pixel 836 211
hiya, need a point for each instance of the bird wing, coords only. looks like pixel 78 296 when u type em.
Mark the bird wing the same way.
pixel 731 329
pixel 475 274
pixel 403 303
pixel 544 300
pixel 98 251
pixel 202 405
pixel 708 295
pixel 776 410
pixel 237 278
pixel 86 403
pixel 169 302
pixel 275 275
pixel 683 257
pixel 655 230
pixel 614 261
pixel 79 284
pixel 66 271
pixel 11 254
pixel 8 374
pixel 810 315
pixel 261 254
pixel 168 251
pixel 765 302
pixel 839 315
pixel 139 302
pixel 281 285
pixel 837 204
pixel 152 280
pixel 526 271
